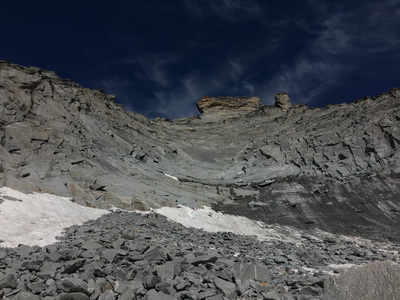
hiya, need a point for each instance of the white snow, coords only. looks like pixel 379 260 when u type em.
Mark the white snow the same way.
pixel 209 220
pixel 36 219
pixel 172 177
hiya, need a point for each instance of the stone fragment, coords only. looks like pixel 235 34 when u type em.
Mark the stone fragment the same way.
pixel 90 245
pixel 8 281
pixel 160 296
pixel 204 259
pixel 249 271
pixel 109 254
pixel 108 295
pixel 74 296
pixel 155 253
pixel 226 287
pixel 71 285
pixel 73 265
pixel 206 294
pixel 272 296
pixel 25 295
pixel 166 271
pixel 3 254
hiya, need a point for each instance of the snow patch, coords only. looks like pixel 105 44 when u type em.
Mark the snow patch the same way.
pixel 36 219
pixel 209 220
pixel 172 177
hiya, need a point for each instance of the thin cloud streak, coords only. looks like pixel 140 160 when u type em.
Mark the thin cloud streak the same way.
pixel 335 49
pixel 155 67
pixel 227 10
pixel 180 101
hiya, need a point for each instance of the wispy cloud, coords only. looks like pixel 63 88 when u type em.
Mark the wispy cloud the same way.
pixel 337 39
pixel 115 85
pixel 304 81
pixel 154 67
pixel 381 23
pixel 228 10
pixel 343 37
pixel 180 101
pixel 316 68
pixel 236 69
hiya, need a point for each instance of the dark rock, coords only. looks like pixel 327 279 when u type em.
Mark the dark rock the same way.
pixel 8 281
pixel 90 245
pixel 74 296
pixel 71 285
pixel 166 271
pixel 108 295
pixel 204 259
pixel 226 287
pixel 249 271
pixel 3 254
pixel 155 253
pixel 272 296
pixel 27 296
pixel 73 265
pixel 109 254
pixel 160 296
pixel 150 281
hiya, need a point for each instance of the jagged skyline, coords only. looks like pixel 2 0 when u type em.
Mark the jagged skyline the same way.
pixel 161 57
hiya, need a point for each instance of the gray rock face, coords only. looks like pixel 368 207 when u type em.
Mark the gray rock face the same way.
pixel 304 167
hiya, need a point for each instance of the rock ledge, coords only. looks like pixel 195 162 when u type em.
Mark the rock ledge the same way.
pixel 211 105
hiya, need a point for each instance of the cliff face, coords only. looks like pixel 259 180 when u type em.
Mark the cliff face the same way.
pixel 295 165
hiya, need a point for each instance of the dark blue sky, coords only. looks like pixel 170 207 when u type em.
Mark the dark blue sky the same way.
pixel 161 56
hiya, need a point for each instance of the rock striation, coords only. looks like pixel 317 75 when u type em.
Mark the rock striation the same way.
pixel 312 168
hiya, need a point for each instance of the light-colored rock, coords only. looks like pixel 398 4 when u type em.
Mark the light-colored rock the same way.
pixel 282 100
pixel 228 105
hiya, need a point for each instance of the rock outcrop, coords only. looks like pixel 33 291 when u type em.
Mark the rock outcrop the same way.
pixel 305 167
pixel 282 100
pixel 228 105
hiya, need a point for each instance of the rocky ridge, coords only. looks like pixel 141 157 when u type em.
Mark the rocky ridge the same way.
pixel 306 167
pixel 228 105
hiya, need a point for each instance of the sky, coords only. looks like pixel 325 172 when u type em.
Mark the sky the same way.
pixel 159 57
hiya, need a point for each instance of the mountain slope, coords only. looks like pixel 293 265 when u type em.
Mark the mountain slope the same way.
pixel 333 168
